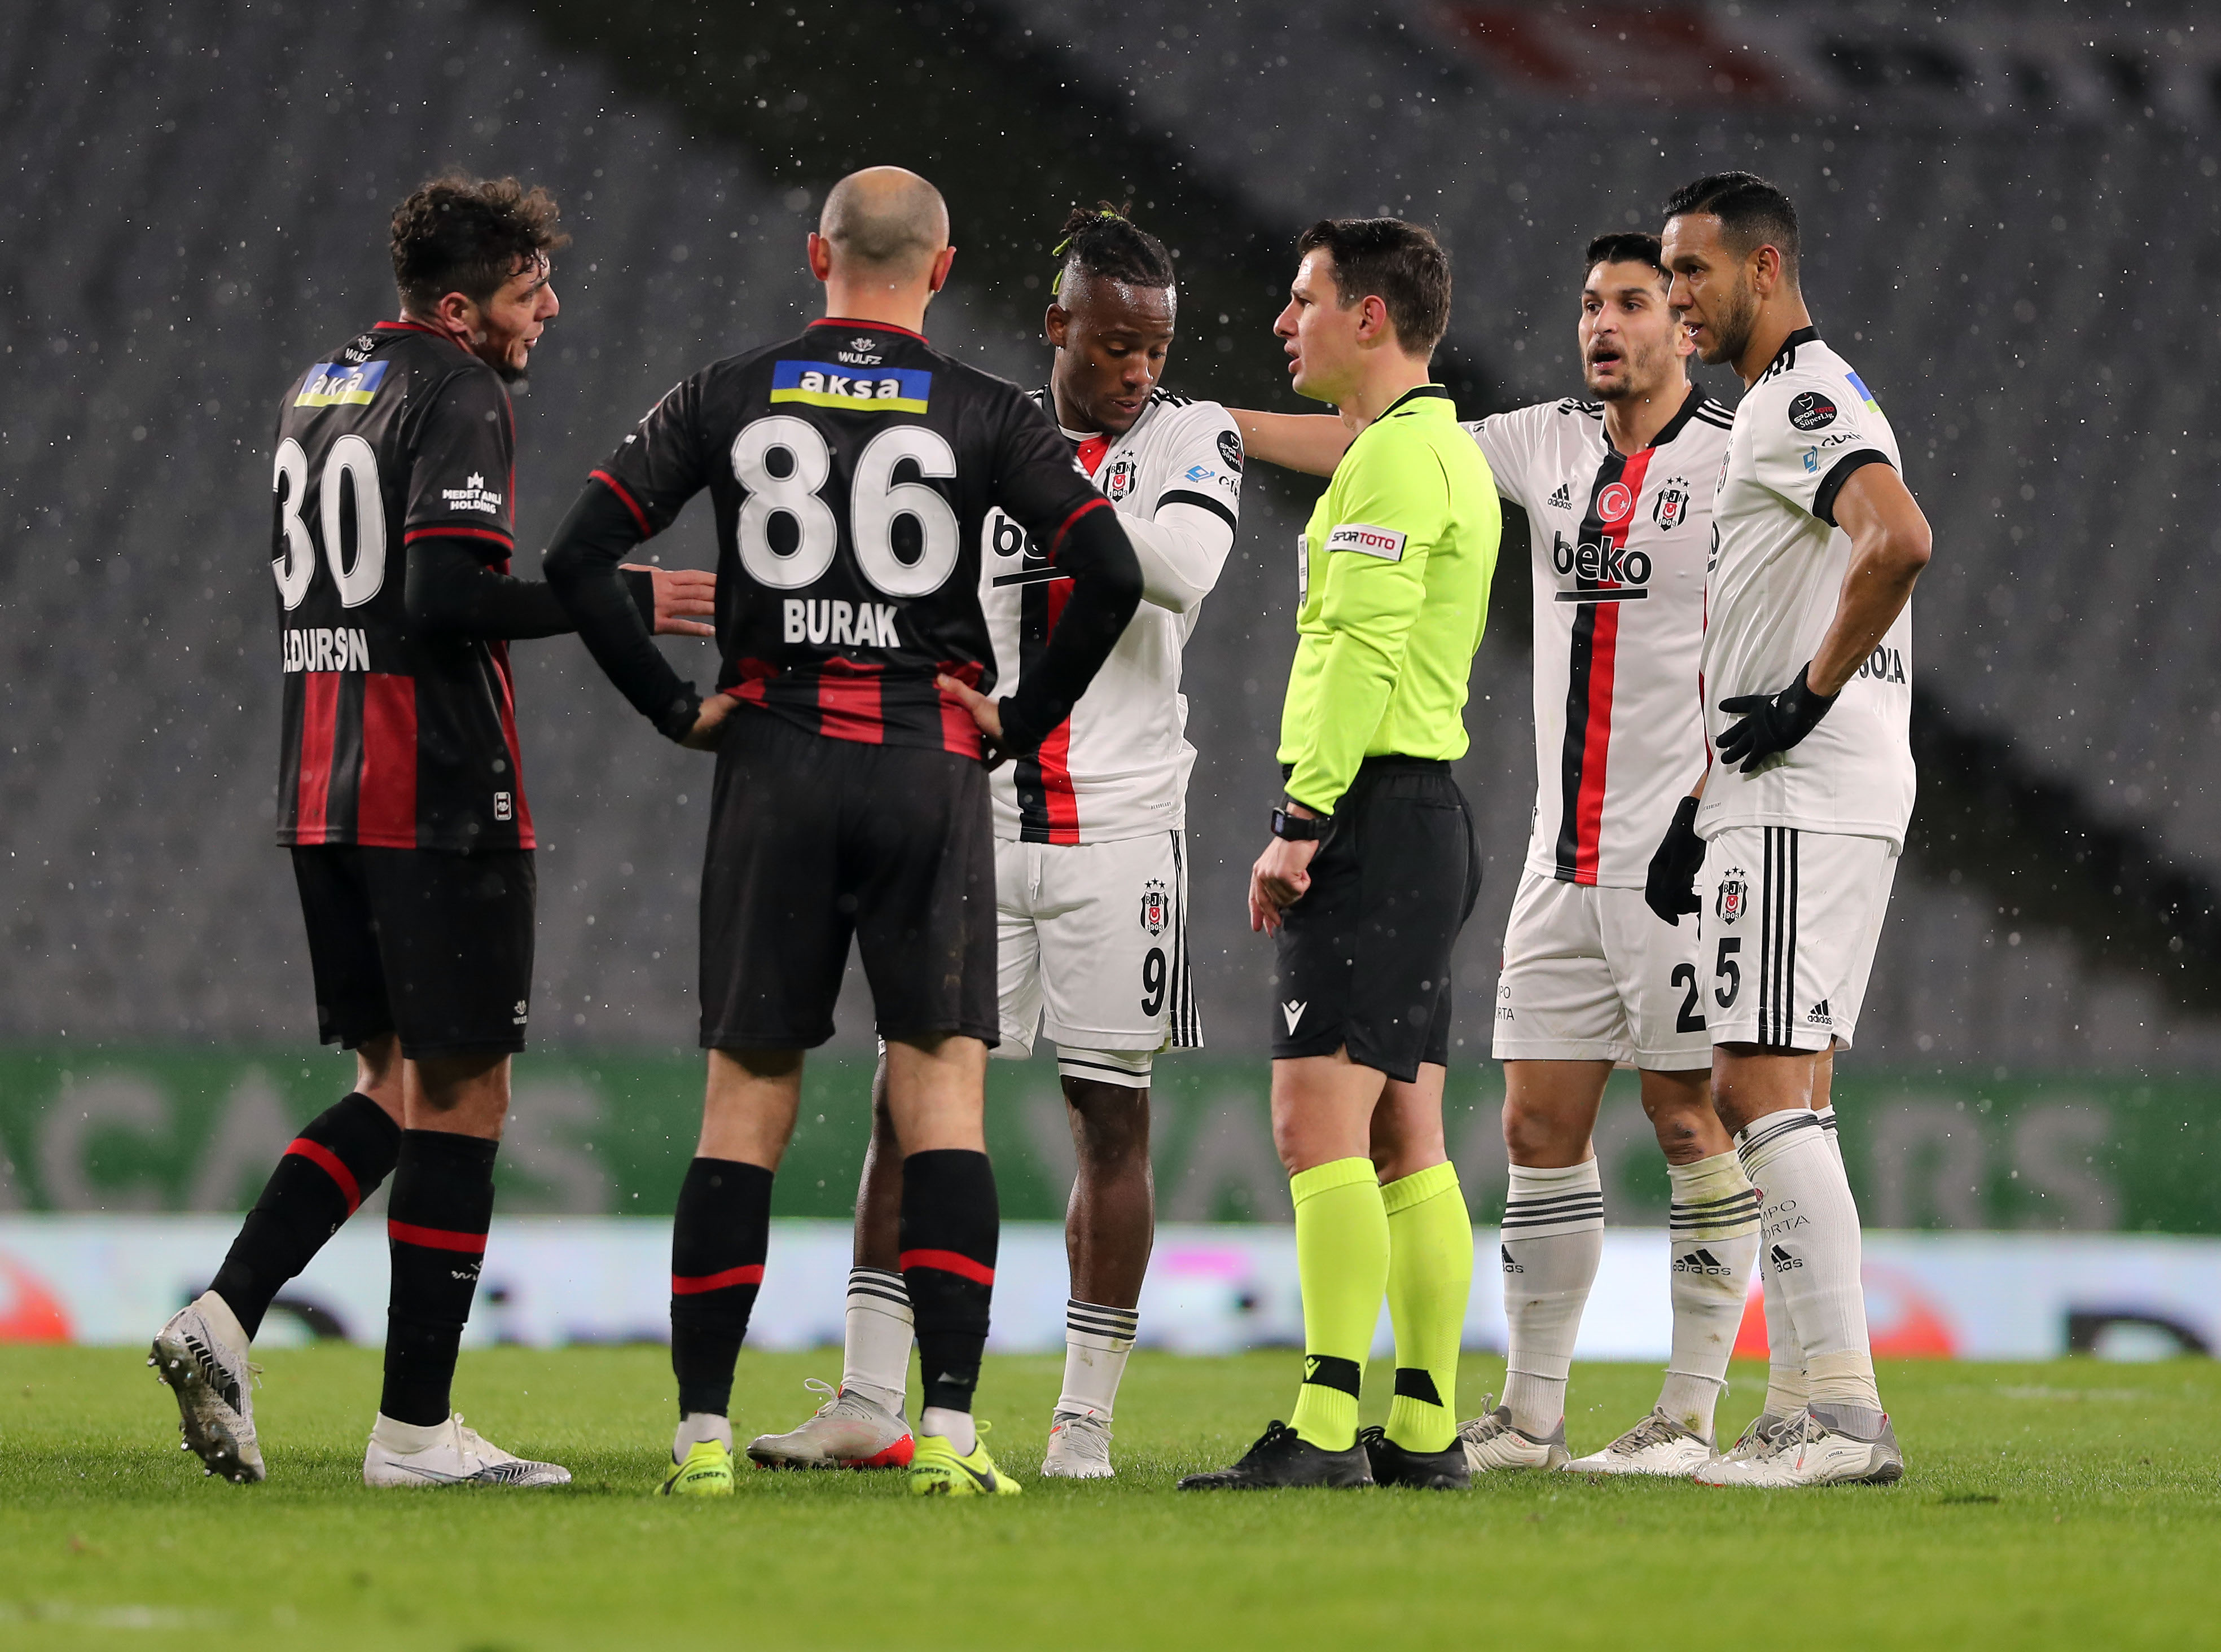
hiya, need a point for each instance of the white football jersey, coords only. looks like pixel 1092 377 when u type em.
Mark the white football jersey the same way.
pixel 1118 767
pixel 1619 542
pixel 1777 568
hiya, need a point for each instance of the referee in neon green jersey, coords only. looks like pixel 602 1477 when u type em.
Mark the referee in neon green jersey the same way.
pixel 1373 869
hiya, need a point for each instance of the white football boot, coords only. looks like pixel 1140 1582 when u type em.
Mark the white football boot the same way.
pixel 1078 1447
pixel 201 1354
pixel 448 1454
pixel 1656 1445
pixel 1492 1443
pixel 847 1431
pixel 1825 1445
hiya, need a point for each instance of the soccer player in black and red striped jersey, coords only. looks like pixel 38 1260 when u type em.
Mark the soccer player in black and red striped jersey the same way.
pixel 851 471
pixel 400 800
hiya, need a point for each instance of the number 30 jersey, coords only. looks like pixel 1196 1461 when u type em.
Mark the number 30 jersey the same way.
pixel 392 741
pixel 851 470
pixel 1619 545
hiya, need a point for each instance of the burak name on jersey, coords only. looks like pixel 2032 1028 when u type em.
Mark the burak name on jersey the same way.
pixel 844 625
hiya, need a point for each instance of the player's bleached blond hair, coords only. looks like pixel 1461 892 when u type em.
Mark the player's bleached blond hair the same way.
pixel 885 217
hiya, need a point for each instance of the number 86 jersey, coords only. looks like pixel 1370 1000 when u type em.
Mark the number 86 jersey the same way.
pixel 392 740
pixel 850 471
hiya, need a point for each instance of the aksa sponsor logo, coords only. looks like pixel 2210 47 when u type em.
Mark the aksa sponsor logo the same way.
pixel 330 385
pixel 1367 540
pixel 1811 410
pixel 326 648
pixel 1733 900
pixel 473 494
pixel 820 383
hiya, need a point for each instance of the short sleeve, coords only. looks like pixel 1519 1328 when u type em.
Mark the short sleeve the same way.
pixel 1037 481
pixel 1507 442
pixel 659 466
pixel 462 468
pixel 1205 465
pixel 1808 437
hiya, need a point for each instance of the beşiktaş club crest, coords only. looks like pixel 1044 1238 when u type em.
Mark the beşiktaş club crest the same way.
pixel 1672 504
pixel 1156 906
pixel 1120 482
pixel 1733 899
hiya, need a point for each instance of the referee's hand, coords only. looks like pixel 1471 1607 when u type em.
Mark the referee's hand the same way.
pixel 1278 881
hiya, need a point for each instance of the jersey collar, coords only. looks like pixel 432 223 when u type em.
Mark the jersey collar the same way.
pixel 868 327
pixel 1417 393
pixel 1674 427
pixel 1786 355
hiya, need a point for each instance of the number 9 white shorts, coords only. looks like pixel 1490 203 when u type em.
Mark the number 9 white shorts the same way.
pixel 1593 975
pixel 1091 953
pixel 1789 922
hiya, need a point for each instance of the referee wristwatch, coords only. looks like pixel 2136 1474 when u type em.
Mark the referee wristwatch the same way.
pixel 1299 828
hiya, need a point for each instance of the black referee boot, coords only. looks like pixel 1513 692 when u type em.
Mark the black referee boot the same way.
pixel 1423 1471
pixel 1282 1457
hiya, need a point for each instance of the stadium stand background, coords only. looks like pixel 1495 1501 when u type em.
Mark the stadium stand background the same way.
pixel 197 206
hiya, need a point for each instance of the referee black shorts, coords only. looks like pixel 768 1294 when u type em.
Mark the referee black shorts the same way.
pixel 434 947
pixel 813 840
pixel 1364 955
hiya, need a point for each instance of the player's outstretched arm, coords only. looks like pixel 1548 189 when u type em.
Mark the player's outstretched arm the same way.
pixel 1312 443
pixel 450 591
pixel 586 570
pixel 1890 545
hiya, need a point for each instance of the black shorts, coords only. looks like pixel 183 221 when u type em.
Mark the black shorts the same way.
pixel 814 840
pixel 1364 955
pixel 434 947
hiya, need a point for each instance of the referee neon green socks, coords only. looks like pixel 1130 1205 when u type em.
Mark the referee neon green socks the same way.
pixel 1342 1255
pixel 1430 1277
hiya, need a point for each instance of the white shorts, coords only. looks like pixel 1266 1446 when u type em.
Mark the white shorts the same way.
pixel 1790 920
pixel 1594 975
pixel 1091 944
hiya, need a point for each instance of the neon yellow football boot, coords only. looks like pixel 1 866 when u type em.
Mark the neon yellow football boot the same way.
pixel 938 1471
pixel 707 1471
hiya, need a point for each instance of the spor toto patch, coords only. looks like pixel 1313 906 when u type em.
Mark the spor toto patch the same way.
pixel 1229 449
pixel 1810 411
pixel 1384 542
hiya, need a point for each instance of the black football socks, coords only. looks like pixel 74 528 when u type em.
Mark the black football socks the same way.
pixel 436 1226
pixel 718 1239
pixel 950 1227
pixel 337 1162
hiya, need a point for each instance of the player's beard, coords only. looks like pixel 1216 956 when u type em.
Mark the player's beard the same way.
pixel 1730 330
pixel 1641 373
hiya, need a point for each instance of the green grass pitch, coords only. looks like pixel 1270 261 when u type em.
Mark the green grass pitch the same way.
pixel 2071 1505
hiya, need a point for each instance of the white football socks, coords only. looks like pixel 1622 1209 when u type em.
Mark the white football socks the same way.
pixel 1812 1252
pixel 695 1427
pixel 1553 1239
pixel 1096 1340
pixel 1714 1236
pixel 876 1346
pixel 1827 1117
pixel 955 1427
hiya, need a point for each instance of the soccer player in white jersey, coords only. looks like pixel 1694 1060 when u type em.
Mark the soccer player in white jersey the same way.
pixel 1790 851
pixel 1616 492
pixel 1090 867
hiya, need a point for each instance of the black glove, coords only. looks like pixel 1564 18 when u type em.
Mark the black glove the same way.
pixel 1670 889
pixel 1771 722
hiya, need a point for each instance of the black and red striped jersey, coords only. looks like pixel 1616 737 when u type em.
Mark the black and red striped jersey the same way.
pixel 1620 544
pixel 851 470
pixel 392 741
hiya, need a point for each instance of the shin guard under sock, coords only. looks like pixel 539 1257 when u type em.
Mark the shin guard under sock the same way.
pixel 1553 1243
pixel 718 1238
pixel 436 1229
pixel 1713 1239
pixel 950 1225
pixel 1812 1250
pixel 1342 1258
pixel 338 1160
pixel 1430 1277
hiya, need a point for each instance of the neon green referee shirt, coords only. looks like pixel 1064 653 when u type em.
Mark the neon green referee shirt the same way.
pixel 1394 593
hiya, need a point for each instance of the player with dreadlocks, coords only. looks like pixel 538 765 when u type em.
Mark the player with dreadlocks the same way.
pixel 1090 867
